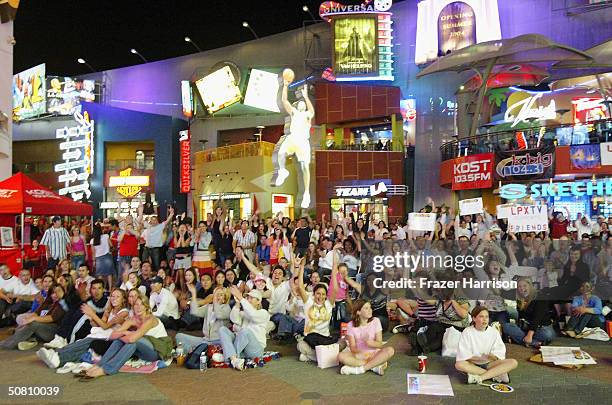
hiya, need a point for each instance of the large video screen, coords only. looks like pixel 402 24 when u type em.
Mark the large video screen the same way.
pixel 219 89
pixel 29 93
pixel 64 94
pixel 355 46
pixel 262 90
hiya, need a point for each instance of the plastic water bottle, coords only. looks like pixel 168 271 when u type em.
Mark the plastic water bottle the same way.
pixel 203 362
pixel 179 349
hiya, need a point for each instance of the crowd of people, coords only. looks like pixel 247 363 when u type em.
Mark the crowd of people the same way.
pixel 117 286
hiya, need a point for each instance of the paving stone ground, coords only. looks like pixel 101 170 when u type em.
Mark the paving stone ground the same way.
pixel 287 381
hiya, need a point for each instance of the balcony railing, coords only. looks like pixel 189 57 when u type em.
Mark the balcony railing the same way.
pixel 592 133
pixel 370 146
pixel 236 151
pixel 120 164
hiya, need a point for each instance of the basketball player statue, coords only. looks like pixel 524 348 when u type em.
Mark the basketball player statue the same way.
pixel 297 140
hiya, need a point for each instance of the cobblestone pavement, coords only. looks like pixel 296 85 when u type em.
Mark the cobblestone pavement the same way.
pixel 287 381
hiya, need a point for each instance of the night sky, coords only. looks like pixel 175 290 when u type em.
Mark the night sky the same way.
pixel 102 32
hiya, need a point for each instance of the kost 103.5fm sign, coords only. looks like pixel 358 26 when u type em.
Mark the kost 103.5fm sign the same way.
pixel 473 172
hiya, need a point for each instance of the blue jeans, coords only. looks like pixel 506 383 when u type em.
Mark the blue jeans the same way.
pixel 74 351
pixel 239 344
pixel 288 325
pixel 77 261
pixel 119 353
pixel 191 342
pixel 578 323
pixel 542 335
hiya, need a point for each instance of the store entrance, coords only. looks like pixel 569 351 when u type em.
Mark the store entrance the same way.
pixel 361 205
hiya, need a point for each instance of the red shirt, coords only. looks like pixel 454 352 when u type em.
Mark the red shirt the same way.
pixel 558 229
pixel 128 245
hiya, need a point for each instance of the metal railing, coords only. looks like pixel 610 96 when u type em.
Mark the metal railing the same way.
pixel 370 147
pixel 120 164
pixel 559 135
pixel 241 150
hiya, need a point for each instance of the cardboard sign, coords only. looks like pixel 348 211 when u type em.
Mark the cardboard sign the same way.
pixel 471 206
pixel 528 218
pixel 503 210
pixel 418 221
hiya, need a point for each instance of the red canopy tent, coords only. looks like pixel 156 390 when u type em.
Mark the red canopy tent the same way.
pixel 22 195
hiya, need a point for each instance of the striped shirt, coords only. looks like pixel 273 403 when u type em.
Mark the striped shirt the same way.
pixel 56 240
pixel 426 311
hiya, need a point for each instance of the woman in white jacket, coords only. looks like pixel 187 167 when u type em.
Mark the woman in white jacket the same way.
pixel 250 327
pixel 481 352
pixel 216 315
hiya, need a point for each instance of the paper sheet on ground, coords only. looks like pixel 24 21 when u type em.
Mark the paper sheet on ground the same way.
pixel 430 384
pixel 560 355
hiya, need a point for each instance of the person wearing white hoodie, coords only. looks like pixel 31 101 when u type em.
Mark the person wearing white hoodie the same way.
pixel 250 327
pixel 215 315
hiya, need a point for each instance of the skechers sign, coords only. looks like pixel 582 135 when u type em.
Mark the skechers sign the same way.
pixel 575 189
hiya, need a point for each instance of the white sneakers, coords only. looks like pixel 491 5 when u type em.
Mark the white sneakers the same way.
pixel 474 379
pixel 74 368
pixel 307 353
pixel 348 370
pixel 57 343
pixel 380 370
pixel 238 363
pixel 49 357
pixel 26 345
pixel 503 378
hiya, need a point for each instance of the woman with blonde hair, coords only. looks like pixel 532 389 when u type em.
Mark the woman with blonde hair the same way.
pixel 533 327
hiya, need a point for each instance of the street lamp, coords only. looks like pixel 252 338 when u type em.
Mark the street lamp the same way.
pixel 247 25
pixel 135 52
pixel 307 10
pixel 191 41
pixel 84 62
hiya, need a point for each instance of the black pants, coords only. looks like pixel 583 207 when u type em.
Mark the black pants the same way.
pixel 315 339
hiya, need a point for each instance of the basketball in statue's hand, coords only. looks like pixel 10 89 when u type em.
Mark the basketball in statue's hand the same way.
pixel 288 75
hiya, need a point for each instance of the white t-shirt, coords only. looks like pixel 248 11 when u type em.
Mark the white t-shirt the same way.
pixel 165 303
pixel 16 287
pixel 103 248
pixel 4 283
pixel 476 343
pixel 153 236
pixel 317 317
pixel 279 298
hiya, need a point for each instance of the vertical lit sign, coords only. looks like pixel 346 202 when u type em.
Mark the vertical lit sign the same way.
pixel 78 153
pixel 185 156
pixel 187 98
pixel 409 114
pixel 588 109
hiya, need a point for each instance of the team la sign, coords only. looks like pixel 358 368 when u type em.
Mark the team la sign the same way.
pixel 363 191
pixel 527 109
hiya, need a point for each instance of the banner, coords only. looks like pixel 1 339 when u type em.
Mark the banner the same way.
pixel 471 206
pixel 585 156
pixel 473 172
pixel 418 221
pixel 528 218
pixel 503 210
pixel 525 165
pixel 355 46
pixel 29 93
pixel 605 154
pixel 456 27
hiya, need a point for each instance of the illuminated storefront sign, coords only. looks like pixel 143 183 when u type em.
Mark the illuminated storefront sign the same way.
pixel 78 155
pixel 219 89
pixel 529 110
pixel 525 165
pixel 588 109
pixel 64 94
pixel 369 191
pixel 229 196
pixel 185 163
pixel 573 189
pixel 187 98
pixel 605 153
pixel 363 40
pixel 409 115
pixel 127 185
pixel 473 172
pixel 445 26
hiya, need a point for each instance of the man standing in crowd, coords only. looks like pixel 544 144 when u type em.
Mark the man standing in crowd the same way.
pixel 245 238
pixel 56 241
pixel 302 236
pixel 154 236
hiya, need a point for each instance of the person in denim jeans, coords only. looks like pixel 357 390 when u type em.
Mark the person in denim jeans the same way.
pixel 128 343
pixel 534 324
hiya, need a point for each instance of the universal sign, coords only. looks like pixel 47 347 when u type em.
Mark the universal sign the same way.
pixel 331 8
pixel 363 191
pixel 575 189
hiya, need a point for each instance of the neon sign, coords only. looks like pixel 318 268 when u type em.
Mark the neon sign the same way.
pixel 127 185
pixel 373 190
pixel 573 189
pixel 524 165
pixel 185 163
pixel 187 98
pixel 78 156
pixel 529 112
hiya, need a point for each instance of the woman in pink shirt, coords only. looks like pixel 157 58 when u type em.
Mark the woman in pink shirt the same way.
pixel 365 342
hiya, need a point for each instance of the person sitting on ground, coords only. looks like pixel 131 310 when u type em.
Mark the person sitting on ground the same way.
pixel 115 314
pixel 375 296
pixel 163 303
pixel 133 281
pixel 586 312
pixel 292 323
pixel 533 327
pixel 215 315
pixel 318 309
pixel 481 353
pixel 365 343
pixel 16 297
pixel 250 325
pixel 47 281
pixel 42 324
pixel 142 335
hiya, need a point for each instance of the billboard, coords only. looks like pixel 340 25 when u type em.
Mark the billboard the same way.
pixel 473 172
pixel 456 27
pixel 219 89
pixel 528 164
pixel 355 46
pixel 585 156
pixel 262 90
pixel 29 93
pixel 64 94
